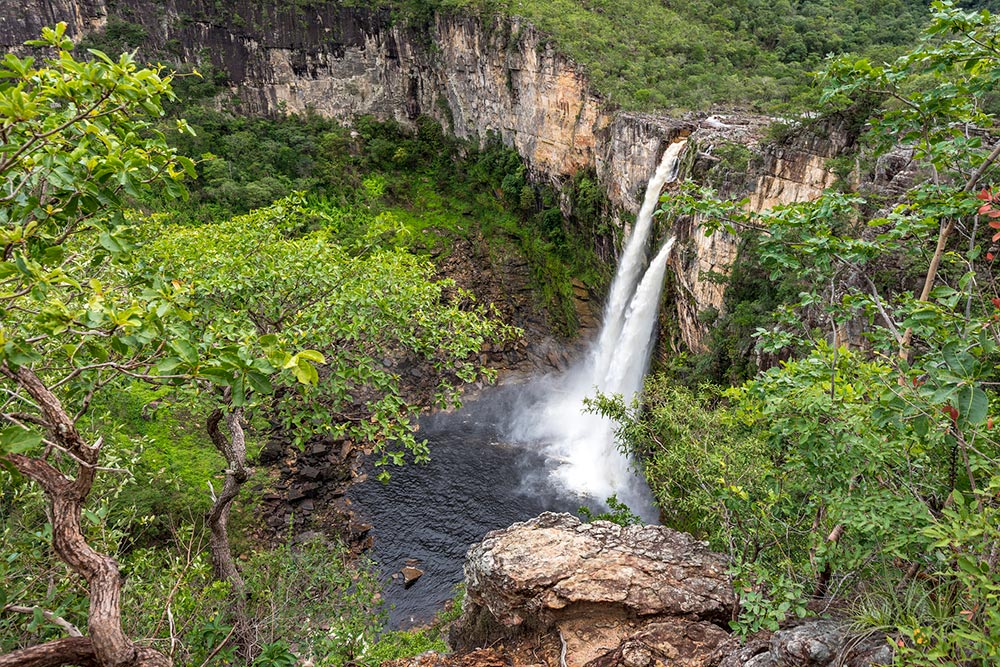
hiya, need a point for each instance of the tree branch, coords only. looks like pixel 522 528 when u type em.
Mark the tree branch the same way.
pixel 70 629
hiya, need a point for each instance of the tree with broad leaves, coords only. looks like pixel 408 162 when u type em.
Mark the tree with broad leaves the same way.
pixel 76 137
pixel 284 277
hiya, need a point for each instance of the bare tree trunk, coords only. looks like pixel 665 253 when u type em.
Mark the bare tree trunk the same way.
pixel 234 449
pixel 109 644
pixel 77 651
pixel 71 651
pixel 823 580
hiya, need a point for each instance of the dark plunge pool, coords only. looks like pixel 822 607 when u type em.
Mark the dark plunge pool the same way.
pixel 433 513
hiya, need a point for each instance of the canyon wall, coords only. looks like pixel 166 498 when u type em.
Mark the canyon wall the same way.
pixel 501 77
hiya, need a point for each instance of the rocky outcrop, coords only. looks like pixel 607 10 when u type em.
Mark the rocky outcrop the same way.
pixel 556 592
pixel 607 594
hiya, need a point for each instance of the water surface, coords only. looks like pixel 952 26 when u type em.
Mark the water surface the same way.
pixel 474 483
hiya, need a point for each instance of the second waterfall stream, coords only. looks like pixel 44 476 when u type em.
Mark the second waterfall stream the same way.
pixel 583 444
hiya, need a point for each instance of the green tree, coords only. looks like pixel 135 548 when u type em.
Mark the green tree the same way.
pixel 886 449
pixel 279 278
pixel 76 137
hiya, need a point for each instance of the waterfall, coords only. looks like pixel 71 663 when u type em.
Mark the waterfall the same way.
pixel 632 261
pixel 583 444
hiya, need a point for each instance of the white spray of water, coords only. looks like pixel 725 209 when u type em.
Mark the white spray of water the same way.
pixel 583 444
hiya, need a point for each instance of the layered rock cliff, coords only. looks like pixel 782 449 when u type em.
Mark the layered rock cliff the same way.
pixel 500 76
pixel 784 170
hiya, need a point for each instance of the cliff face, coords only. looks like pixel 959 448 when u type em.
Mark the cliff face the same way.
pixel 20 22
pixel 788 170
pixel 340 62
pixel 475 78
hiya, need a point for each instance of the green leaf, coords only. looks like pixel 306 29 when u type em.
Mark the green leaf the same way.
pixel 17 440
pixel 20 353
pixel 312 355
pixel 305 372
pixel 970 566
pixel 972 404
pixel 110 243
pixel 259 382
pixel 165 366
pixel 959 361
pixel 239 392
pixel 219 376
pixel 185 351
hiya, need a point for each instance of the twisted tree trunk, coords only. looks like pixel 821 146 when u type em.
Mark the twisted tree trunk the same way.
pixel 234 449
pixel 106 645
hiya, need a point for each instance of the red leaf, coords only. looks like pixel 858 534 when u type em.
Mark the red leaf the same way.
pixel 995 213
pixel 996 237
pixel 989 256
pixel 995 224
pixel 951 412
pixel 996 301
pixel 985 195
pixel 985 208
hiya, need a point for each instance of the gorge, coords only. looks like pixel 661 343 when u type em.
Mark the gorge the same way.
pixel 397 202
pixel 475 77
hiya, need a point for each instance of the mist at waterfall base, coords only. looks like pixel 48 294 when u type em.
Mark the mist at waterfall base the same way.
pixel 520 450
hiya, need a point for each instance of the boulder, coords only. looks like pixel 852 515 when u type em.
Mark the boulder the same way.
pixel 636 595
pixel 813 644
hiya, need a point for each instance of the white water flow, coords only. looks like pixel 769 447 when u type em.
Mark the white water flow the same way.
pixel 633 260
pixel 583 444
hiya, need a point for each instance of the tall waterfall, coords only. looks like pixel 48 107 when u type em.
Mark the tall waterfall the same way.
pixel 633 261
pixel 583 444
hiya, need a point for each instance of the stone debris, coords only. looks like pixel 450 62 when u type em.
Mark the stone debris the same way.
pixel 410 575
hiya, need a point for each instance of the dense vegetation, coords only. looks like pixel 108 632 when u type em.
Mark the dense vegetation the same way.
pixel 861 471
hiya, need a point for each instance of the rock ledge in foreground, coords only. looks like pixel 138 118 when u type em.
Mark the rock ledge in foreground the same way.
pixel 633 595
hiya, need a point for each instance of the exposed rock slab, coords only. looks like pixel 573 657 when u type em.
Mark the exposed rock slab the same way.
pixel 612 594
pixel 815 643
